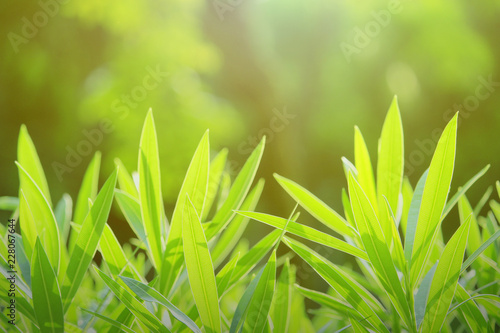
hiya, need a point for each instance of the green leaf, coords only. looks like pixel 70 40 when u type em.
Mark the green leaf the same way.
pixel 480 250
pixel 88 189
pixel 236 227
pixel 46 294
pixel 347 208
pixel 136 307
pixel 445 280
pixel 390 164
pixel 131 209
pixel 195 186
pixel 242 307
pixel 407 192
pixel 200 269
pixel 397 244
pixel 225 275
pixel 484 199
pixel 461 191
pixel 345 287
pixel 465 210
pixel 473 316
pixel 125 181
pixel 260 304
pixel 149 294
pixel 28 158
pixel 316 207
pixel 111 321
pixel 356 325
pixel 282 301
pixel 150 190
pixel 348 166
pixel 87 241
pixel 37 219
pixel 113 254
pixel 364 166
pixel 215 176
pixel 306 232
pixel 423 294
pixel 329 302
pixel 9 203
pixel 62 214
pixel 238 192
pixel 372 235
pixel 248 261
pixel 413 213
pixel 434 197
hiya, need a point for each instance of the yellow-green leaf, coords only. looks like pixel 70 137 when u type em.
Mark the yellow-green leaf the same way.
pixel 437 187
pixel 200 269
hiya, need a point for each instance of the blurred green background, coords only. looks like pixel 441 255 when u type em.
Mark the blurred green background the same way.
pixel 301 72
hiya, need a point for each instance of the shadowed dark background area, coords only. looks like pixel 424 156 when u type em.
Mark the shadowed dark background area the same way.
pixel 82 74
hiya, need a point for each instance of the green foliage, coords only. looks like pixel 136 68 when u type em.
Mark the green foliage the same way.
pixel 195 273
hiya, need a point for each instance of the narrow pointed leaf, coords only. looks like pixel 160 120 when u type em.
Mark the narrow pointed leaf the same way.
pixel 113 322
pixel 125 181
pixel 149 294
pixel 413 213
pixel 480 250
pixel 315 206
pixel 215 176
pixel 195 186
pixel 237 226
pixel 260 304
pixel 407 192
pixel 200 269
pixel 238 192
pixel 37 219
pixel 462 190
pixel 225 275
pixel 135 306
pixel 113 254
pixel 87 241
pixel 390 164
pixel 28 158
pixel 46 294
pixel 241 308
pixel 346 288
pixel 437 187
pixel 150 196
pixel 282 302
pixel 364 166
pixel 88 189
pixel 306 232
pixel 482 202
pixel 63 213
pixel 423 294
pixel 445 281
pixel 329 302
pixel 248 261
pixel 473 316
pixel 131 209
pixel 465 210
pixel 373 238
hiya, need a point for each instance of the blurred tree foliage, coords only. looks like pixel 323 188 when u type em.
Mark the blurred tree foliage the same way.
pixel 234 66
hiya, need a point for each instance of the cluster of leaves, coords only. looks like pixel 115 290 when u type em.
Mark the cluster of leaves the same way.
pixel 206 278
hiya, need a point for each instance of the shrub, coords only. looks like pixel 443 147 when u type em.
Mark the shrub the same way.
pixel 194 272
